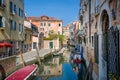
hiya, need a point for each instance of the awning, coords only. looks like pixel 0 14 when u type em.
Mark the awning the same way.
pixel 5 44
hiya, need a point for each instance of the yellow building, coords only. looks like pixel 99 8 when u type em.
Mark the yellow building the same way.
pixel 28 39
pixel 11 23
pixel 11 31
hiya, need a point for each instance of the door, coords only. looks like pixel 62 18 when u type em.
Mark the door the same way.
pixel 51 44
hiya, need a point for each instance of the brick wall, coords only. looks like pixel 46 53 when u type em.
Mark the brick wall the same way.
pixel 8 64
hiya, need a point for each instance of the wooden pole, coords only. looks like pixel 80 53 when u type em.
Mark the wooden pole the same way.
pixel 38 57
pixel 23 62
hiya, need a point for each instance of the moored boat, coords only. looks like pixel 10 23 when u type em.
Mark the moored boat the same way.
pixel 23 73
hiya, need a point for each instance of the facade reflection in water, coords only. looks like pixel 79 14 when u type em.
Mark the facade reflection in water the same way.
pixel 57 69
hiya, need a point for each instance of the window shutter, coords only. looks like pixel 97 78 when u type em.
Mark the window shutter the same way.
pixel 13 9
pixel 12 25
pixel 22 28
pixel 10 6
pixel 3 22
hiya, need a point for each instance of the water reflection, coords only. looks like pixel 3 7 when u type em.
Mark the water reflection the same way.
pixel 57 69
pixel 52 68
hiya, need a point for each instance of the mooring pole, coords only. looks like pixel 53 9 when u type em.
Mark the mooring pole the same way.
pixel 38 57
pixel 23 62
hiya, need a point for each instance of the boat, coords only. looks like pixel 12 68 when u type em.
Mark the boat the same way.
pixel 24 73
pixel 77 59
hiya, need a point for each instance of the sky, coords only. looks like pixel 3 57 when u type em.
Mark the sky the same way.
pixel 66 10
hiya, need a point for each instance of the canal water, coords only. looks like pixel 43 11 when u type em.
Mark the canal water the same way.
pixel 56 68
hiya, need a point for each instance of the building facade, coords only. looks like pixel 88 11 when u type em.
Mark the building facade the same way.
pixel 74 29
pixel 48 26
pixel 100 22
pixel 66 33
pixel 28 36
pixel 11 31
pixel 35 37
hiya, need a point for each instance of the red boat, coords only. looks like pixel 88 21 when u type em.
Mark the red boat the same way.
pixel 23 73
pixel 77 58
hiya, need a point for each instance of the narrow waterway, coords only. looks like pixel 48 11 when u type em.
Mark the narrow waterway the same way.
pixel 57 68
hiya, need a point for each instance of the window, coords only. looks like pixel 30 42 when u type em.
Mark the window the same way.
pixel 50 45
pixel 41 24
pixel 49 24
pixel 15 9
pixel 34 45
pixel 49 32
pixel 20 12
pixel 59 25
pixel 92 41
pixel 42 29
pixel 44 24
pixel 14 25
pixel 1 3
pixel 11 7
pixel 11 25
pixel 58 32
pixel 22 28
pixel 2 21
pixel 19 28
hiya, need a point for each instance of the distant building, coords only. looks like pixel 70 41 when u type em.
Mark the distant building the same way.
pixel 74 29
pixel 66 31
pixel 46 26
pixel 35 37
pixel 28 36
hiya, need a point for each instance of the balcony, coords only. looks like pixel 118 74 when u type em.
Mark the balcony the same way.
pixel 97 10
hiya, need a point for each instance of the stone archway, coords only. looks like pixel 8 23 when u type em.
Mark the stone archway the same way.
pixel 104 24
pixel 2 73
pixel 105 27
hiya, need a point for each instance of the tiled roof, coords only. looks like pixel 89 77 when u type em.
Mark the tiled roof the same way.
pixel 42 18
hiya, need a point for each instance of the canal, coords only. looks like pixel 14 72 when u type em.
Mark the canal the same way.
pixel 57 68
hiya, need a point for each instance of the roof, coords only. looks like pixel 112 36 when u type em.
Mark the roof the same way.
pixel 42 18
pixel 23 73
